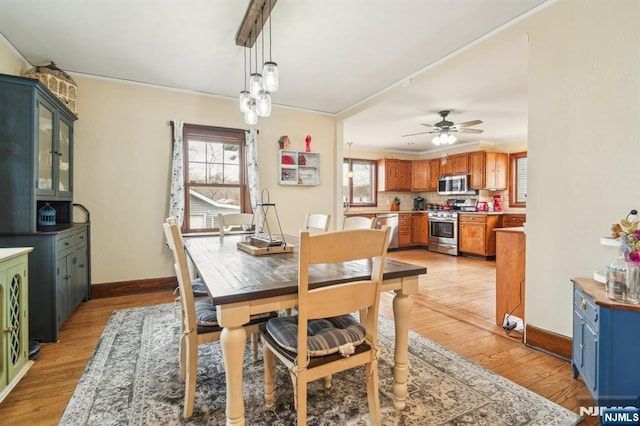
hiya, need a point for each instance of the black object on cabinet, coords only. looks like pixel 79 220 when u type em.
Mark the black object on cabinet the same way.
pixel 36 172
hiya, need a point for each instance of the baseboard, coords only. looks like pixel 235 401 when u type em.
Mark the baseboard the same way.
pixel 125 288
pixel 547 341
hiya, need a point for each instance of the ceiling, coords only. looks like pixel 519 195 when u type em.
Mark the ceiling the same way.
pixel 333 55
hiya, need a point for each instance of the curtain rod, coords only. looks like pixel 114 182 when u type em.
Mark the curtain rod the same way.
pixel 171 123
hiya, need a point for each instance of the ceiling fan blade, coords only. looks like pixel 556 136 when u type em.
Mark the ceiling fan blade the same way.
pixel 426 125
pixel 468 131
pixel 415 134
pixel 468 123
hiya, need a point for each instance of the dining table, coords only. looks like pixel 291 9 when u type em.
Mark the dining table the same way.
pixel 242 284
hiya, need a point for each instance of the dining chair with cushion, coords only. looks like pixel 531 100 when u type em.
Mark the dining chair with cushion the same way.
pixel 324 337
pixel 316 222
pixel 226 222
pixel 358 222
pixel 199 322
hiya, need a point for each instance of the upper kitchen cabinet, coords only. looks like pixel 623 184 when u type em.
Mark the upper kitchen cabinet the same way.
pixel 36 154
pixel 394 175
pixel 457 164
pixel 420 175
pixel 488 170
pixel 434 174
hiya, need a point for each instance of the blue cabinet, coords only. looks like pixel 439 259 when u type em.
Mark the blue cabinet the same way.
pixel 606 345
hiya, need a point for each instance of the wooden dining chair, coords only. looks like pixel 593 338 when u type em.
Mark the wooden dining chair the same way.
pixel 358 222
pixel 325 338
pixel 317 222
pixel 199 323
pixel 241 221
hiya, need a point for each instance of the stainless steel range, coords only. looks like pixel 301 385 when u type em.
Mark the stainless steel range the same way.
pixel 443 232
pixel 443 226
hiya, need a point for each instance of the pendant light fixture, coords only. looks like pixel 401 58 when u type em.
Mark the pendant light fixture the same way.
pixel 350 172
pixel 255 101
pixel 245 97
pixel 270 69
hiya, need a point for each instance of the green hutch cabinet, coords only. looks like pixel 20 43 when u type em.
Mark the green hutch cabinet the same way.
pixel 36 177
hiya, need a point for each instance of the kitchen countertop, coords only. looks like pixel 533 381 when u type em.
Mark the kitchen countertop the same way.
pixel 358 212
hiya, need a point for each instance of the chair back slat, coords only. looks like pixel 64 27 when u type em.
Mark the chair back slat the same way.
pixel 176 243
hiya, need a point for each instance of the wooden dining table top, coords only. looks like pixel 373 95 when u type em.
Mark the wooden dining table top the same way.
pixel 232 275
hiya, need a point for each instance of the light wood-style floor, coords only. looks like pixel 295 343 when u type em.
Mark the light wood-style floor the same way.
pixel 42 395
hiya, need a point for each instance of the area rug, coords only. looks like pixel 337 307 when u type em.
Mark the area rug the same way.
pixel 132 379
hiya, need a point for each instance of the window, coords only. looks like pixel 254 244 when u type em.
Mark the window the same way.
pixel 518 179
pixel 360 191
pixel 214 175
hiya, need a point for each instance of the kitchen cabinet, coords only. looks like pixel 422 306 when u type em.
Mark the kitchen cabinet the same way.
pixel 510 220
pixel 419 229
pixel 298 168
pixel 457 164
pixel 476 234
pixel 434 174
pixel 488 170
pixel 394 175
pixel 420 175
pixel 510 273
pixel 404 229
pixel 14 317
pixel 604 345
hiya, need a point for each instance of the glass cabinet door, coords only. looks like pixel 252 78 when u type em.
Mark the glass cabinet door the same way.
pixel 64 157
pixel 46 155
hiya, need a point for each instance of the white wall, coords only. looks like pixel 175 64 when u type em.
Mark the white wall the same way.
pixel 584 146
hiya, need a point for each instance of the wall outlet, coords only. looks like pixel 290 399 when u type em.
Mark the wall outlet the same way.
pixel 507 324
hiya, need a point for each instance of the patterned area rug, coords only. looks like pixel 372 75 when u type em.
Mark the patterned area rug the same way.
pixel 132 379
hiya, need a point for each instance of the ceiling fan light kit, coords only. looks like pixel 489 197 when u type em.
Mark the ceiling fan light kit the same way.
pixel 256 102
pixel 444 129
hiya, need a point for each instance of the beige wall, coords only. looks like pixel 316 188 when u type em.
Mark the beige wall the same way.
pixel 584 146
pixel 10 62
pixel 122 158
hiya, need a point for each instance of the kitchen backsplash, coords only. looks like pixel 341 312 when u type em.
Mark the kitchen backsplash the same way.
pixel 386 198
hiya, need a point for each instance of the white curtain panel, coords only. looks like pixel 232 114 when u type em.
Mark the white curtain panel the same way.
pixel 176 195
pixel 252 166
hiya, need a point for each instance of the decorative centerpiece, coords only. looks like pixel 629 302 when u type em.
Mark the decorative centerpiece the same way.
pixel 626 288
pixel 58 82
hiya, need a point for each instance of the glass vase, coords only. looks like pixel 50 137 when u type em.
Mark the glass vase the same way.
pixel 616 285
pixel 633 283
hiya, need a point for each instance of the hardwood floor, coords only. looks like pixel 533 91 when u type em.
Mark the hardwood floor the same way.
pixel 443 313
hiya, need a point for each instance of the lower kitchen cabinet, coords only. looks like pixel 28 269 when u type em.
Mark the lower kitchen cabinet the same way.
pixel 605 345
pixel 14 317
pixel 476 234
pixel 511 220
pixel 419 229
pixel 404 229
pixel 59 276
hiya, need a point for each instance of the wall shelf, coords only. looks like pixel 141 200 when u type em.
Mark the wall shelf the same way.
pixel 298 168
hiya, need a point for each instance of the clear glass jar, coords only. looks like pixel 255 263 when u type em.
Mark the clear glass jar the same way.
pixel 616 285
pixel 633 283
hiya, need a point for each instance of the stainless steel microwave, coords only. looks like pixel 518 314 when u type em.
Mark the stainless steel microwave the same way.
pixel 454 185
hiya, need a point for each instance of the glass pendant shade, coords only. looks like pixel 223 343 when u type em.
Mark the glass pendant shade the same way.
pixel 263 104
pixel 270 77
pixel 251 116
pixel 244 99
pixel 255 84
pixel 436 141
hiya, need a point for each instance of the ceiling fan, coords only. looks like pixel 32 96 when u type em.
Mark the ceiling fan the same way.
pixel 444 129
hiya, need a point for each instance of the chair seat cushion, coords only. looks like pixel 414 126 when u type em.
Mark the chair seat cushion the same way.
pixel 198 287
pixel 325 336
pixel 207 317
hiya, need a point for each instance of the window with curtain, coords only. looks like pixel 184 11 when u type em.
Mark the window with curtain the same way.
pixel 360 191
pixel 518 179
pixel 215 175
